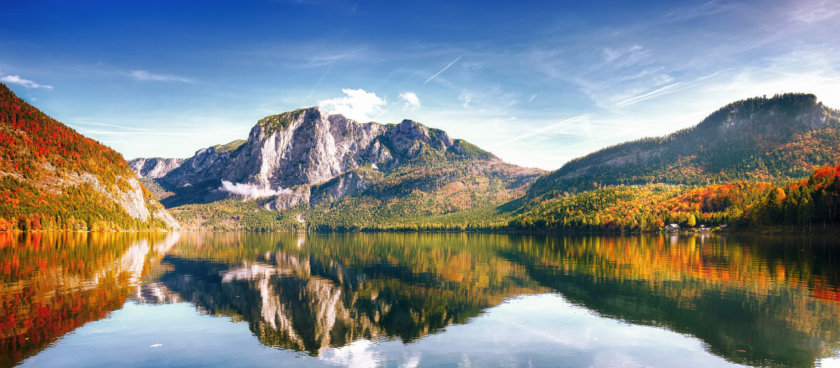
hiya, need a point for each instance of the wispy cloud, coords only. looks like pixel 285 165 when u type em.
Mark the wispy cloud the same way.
pixel 648 95
pixel 554 126
pixel 623 57
pixel 105 129
pixel 144 76
pixel 412 102
pixel 816 11
pixel 249 190
pixel 357 104
pixel 666 89
pixel 442 70
pixel 465 99
pixel 16 79
pixel 688 13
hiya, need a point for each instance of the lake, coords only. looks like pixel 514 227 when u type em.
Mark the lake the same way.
pixel 417 300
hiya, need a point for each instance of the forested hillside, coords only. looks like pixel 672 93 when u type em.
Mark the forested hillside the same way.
pixel 759 139
pixel 52 177
pixel 807 204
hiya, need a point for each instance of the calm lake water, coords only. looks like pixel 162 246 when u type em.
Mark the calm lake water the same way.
pixel 417 300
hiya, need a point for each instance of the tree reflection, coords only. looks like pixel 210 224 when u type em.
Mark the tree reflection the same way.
pixel 752 300
pixel 53 283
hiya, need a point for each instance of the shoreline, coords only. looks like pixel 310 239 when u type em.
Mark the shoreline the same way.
pixel 828 230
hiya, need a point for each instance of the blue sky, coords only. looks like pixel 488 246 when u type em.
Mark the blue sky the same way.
pixel 537 83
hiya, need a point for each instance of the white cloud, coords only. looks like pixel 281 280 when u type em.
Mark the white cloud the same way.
pixel 16 79
pixel 412 102
pixel 411 362
pixel 144 76
pixel 248 190
pixel 359 354
pixel 357 104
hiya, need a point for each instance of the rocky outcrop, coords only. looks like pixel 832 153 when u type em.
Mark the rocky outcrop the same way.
pixel 339 187
pixel 130 196
pixel 294 197
pixel 154 168
pixel 295 148
pixel 409 137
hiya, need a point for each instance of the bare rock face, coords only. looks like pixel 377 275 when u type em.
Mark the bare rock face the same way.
pixel 299 195
pixel 408 138
pixel 154 168
pixel 339 187
pixel 300 157
pixel 295 148
pixel 306 147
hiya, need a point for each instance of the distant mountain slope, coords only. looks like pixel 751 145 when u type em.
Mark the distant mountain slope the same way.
pixel 308 159
pixel 765 139
pixel 153 168
pixel 53 177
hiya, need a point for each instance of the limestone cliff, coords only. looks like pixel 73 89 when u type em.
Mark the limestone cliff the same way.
pixel 154 168
pixel 305 156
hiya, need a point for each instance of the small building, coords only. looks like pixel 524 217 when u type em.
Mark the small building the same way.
pixel 672 227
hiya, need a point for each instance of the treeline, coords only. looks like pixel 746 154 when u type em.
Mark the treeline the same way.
pixel 639 208
pixel 25 207
pixel 633 208
pixel 814 201
pixel 811 202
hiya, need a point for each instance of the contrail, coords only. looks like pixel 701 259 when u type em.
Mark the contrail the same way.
pixel 552 126
pixel 317 84
pixel 442 70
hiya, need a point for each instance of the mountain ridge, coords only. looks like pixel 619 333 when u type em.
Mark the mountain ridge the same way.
pixel 348 176
pixel 753 139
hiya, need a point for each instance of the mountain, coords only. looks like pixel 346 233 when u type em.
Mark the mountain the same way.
pixel 52 177
pixel 154 168
pixel 308 158
pixel 758 139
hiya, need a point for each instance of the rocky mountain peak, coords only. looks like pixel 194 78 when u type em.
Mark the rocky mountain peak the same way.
pixel 282 121
pixel 408 138
pixel 289 151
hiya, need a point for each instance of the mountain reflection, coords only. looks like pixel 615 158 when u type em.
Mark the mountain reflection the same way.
pixel 751 300
pixel 328 291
